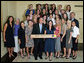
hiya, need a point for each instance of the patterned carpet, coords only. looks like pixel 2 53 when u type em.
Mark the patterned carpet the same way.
pixel 25 59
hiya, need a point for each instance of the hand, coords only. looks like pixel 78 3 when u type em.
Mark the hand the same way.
pixel 19 42
pixel 26 40
pixel 61 39
pixel 4 40
pixel 30 37
pixel 76 41
pixel 69 42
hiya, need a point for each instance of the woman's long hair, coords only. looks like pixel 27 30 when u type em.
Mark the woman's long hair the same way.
pixel 8 21
pixel 21 23
pixel 66 17
pixel 52 28
pixel 69 7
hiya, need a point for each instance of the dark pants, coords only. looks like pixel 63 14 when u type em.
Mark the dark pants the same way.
pixel 75 45
pixel 38 43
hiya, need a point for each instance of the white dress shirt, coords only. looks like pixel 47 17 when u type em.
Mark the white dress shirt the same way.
pixel 75 31
pixel 40 25
pixel 26 23
pixel 52 19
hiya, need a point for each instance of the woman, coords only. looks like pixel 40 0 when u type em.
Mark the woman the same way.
pixel 51 18
pixel 56 13
pixel 49 42
pixel 43 12
pixel 38 13
pixel 50 12
pixel 65 16
pixel 31 15
pixel 68 10
pixel 45 20
pixel 46 8
pixel 21 37
pixel 57 41
pixel 34 19
pixel 29 40
pixel 68 39
pixel 53 7
pixel 59 8
pixel 30 9
pixel 62 12
pixel 63 37
pixel 16 27
pixel 39 7
pixel 9 35
pixel 75 36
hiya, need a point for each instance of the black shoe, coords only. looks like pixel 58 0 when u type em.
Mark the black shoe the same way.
pixel 41 58
pixel 74 57
pixel 36 59
pixel 57 56
pixel 67 57
pixel 46 57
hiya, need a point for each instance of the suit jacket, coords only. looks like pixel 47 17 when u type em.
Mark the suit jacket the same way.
pixel 36 30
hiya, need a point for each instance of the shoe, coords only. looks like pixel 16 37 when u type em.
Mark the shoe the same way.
pixel 41 58
pixel 57 56
pixel 67 57
pixel 50 59
pixel 46 57
pixel 74 57
pixel 36 59
pixel 25 54
pixel 28 57
pixel 63 56
pixel 22 56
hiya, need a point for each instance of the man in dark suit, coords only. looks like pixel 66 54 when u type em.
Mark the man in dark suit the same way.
pixel 72 18
pixel 38 42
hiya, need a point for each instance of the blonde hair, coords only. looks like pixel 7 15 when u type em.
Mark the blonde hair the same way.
pixel 59 23
pixel 68 26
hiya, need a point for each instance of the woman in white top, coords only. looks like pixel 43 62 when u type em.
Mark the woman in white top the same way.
pixel 52 19
pixel 75 36
pixel 68 10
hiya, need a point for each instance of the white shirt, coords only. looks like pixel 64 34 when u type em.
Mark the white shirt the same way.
pixel 75 31
pixel 52 19
pixel 54 16
pixel 68 13
pixel 40 25
pixel 25 23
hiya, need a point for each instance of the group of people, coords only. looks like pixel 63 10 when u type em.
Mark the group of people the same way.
pixel 58 21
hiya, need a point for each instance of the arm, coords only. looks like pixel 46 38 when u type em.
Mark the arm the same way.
pixel 5 27
pixel 19 35
pixel 77 35
pixel 64 32
pixel 59 30
pixel 70 37
pixel 26 34
pixel 45 32
pixel 77 38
